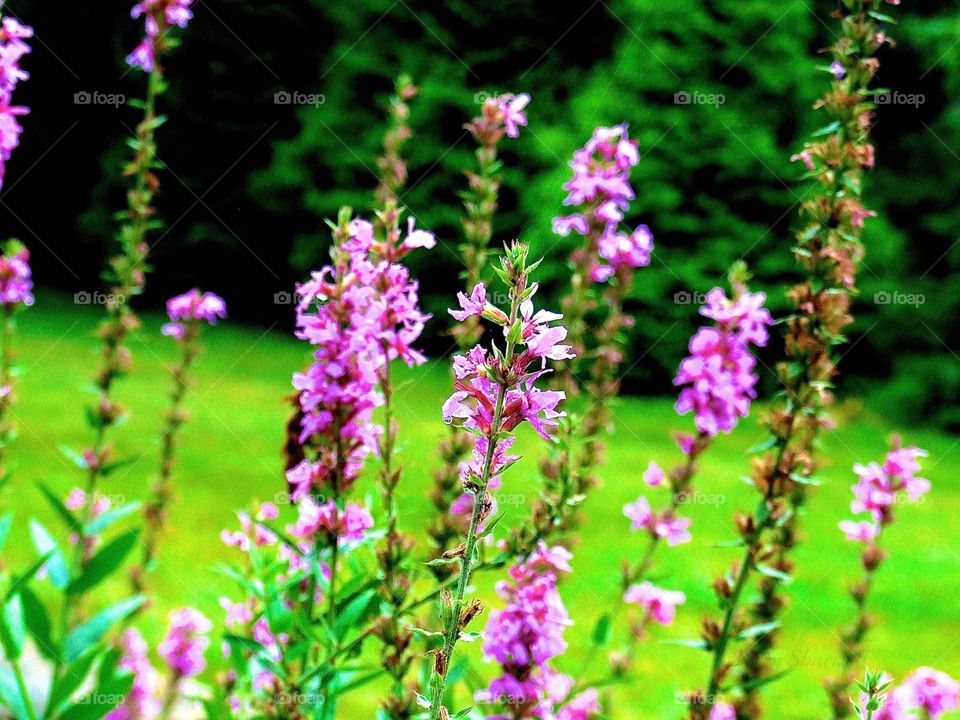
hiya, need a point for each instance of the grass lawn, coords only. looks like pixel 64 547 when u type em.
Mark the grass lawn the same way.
pixel 230 456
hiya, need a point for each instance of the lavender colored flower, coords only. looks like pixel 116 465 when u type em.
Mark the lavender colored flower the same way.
pixel 346 526
pixel 193 306
pixel 159 16
pixel 473 402
pixel 16 284
pixel 12 50
pixel 601 186
pixel 659 604
pixel 186 642
pixel 931 691
pixel 878 487
pixel 142 702
pixel 360 313
pixel 718 374
pixel 723 711
pixel 525 635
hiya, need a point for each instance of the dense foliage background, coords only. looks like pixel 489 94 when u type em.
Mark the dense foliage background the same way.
pixel 250 180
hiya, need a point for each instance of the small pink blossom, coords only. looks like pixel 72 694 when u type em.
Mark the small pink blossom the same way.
pixel 186 642
pixel 863 531
pixel 639 513
pixel 660 604
pixel 723 711
pixel 653 475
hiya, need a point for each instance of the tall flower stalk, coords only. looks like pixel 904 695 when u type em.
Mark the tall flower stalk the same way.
pixel 187 314
pixel 126 274
pixel 495 392
pixel 399 298
pixel 16 285
pixel 602 269
pixel 829 251
pixel 878 490
pixel 500 117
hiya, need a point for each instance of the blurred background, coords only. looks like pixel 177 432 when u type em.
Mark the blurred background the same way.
pixel 718 93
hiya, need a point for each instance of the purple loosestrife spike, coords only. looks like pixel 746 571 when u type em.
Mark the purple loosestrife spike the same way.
pixel 878 488
pixel 351 311
pixel 186 642
pixel 195 306
pixel 12 49
pixel 876 492
pixel 718 376
pixel 601 186
pixel 159 16
pixel 525 636
pixel 930 691
pixel 142 702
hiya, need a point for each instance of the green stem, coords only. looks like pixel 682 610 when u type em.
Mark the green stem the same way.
pixel 24 692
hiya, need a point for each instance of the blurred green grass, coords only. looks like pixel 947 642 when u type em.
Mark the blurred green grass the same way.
pixel 229 456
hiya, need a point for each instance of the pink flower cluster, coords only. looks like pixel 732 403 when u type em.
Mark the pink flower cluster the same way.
pixel 658 604
pixel 142 702
pixel 186 642
pixel 12 50
pixel 360 313
pixel 601 186
pixel 523 638
pixel 878 488
pixel 193 306
pixel 929 691
pixel 346 526
pixel 16 285
pixel 159 16
pixel 506 111
pixel 718 374
pixel 479 375
pixel 473 402
pixel 675 530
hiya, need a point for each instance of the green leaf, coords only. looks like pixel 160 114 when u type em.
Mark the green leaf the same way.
pixel 355 609
pixel 757 630
pixel 38 623
pixel 102 522
pixel 92 631
pixel 10 695
pixel 12 627
pixel 104 562
pixel 73 677
pixel 68 517
pixel 56 565
pixel 107 696
pixel 695 644
pixel 601 631
pixel 774 573
pixel 21 581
